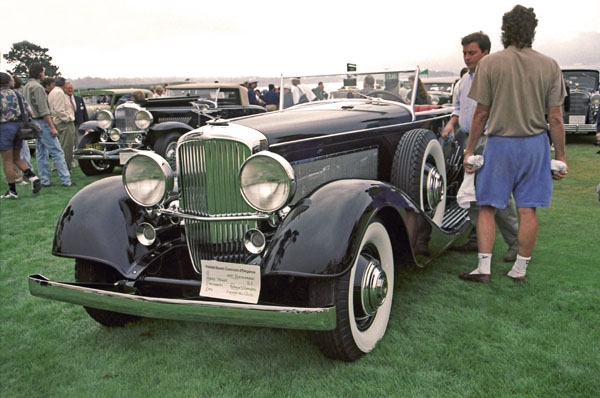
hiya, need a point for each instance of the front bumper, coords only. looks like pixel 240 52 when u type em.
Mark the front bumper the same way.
pixel 185 310
pixel 96 154
pixel 580 128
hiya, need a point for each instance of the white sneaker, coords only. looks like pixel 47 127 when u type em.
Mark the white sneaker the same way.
pixel 10 195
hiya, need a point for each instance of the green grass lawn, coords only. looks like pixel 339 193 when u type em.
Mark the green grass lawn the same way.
pixel 446 337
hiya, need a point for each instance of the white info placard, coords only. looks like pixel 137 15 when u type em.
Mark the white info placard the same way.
pixel 576 119
pixel 229 281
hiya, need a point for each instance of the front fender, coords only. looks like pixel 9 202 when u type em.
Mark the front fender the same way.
pixel 172 125
pixel 321 235
pixel 90 125
pixel 99 224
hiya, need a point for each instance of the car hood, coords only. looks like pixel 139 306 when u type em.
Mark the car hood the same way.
pixel 324 118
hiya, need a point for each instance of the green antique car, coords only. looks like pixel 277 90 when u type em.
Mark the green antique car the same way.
pixel 106 98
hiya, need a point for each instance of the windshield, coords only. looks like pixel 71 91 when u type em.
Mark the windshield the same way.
pixel 97 99
pixel 205 93
pixel 440 87
pixel 388 85
pixel 581 79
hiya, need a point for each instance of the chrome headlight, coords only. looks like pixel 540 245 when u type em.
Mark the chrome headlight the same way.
pixel 105 119
pixel 595 99
pixel 148 178
pixel 143 119
pixel 267 182
pixel 114 134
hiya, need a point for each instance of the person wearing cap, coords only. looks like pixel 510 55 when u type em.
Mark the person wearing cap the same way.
pixel 252 94
pixel 301 92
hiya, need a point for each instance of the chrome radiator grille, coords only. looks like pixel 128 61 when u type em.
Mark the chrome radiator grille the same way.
pixel 579 104
pixel 125 119
pixel 209 186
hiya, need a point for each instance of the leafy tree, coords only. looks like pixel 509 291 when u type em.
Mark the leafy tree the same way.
pixel 25 53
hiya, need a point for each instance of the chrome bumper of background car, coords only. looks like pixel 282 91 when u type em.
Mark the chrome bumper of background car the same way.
pixel 185 310
pixel 91 153
pixel 583 128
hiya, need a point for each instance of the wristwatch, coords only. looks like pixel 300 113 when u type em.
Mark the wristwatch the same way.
pixel 466 152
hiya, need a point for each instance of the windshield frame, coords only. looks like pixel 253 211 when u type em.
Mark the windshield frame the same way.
pixel 353 75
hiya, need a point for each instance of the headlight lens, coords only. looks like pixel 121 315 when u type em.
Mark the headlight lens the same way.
pixel 143 119
pixel 267 182
pixel 595 99
pixel 114 134
pixel 105 119
pixel 148 178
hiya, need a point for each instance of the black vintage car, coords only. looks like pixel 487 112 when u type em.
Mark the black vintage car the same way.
pixel 157 123
pixel 293 219
pixel 583 101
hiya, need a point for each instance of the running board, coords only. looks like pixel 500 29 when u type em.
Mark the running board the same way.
pixel 454 218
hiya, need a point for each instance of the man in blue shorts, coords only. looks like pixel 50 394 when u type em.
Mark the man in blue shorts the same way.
pixel 476 46
pixel 515 89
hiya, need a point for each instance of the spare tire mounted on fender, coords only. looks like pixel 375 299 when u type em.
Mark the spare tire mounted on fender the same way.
pixel 419 169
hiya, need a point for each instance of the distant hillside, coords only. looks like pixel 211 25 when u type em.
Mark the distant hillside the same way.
pixel 122 82
pixel 125 82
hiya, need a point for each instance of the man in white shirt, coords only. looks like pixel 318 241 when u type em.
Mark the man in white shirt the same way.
pixel 301 91
pixel 63 116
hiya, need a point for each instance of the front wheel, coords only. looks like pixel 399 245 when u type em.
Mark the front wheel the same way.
pixel 90 271
pixel 166 146
pixel 362 297
pixel 93 167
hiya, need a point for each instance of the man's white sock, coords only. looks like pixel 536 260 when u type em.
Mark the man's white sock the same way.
pixel 520 267
pixel 484 264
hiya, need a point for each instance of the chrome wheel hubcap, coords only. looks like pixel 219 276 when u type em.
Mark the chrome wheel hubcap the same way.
pixel 370 287
pixel 434 187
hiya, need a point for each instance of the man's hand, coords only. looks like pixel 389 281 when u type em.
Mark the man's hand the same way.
pixel 469 169
pixel 54 131
pixel 448 129
pixel 559 175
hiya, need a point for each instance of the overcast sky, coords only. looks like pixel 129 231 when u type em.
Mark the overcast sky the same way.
pixel 197 38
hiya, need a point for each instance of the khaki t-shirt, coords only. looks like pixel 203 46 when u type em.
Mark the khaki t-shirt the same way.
pixel 519 85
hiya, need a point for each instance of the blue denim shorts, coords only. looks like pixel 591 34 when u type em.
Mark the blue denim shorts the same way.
pixel 517 165
pixel 8 136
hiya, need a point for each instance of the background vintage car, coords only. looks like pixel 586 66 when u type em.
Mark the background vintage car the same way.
pixel 157 123
pixel 441 89
pixel 583 101
pixel 295 218
pixel 99 99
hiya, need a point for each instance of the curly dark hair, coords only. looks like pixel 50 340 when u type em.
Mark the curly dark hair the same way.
pixel 482 40
pixel 518 27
